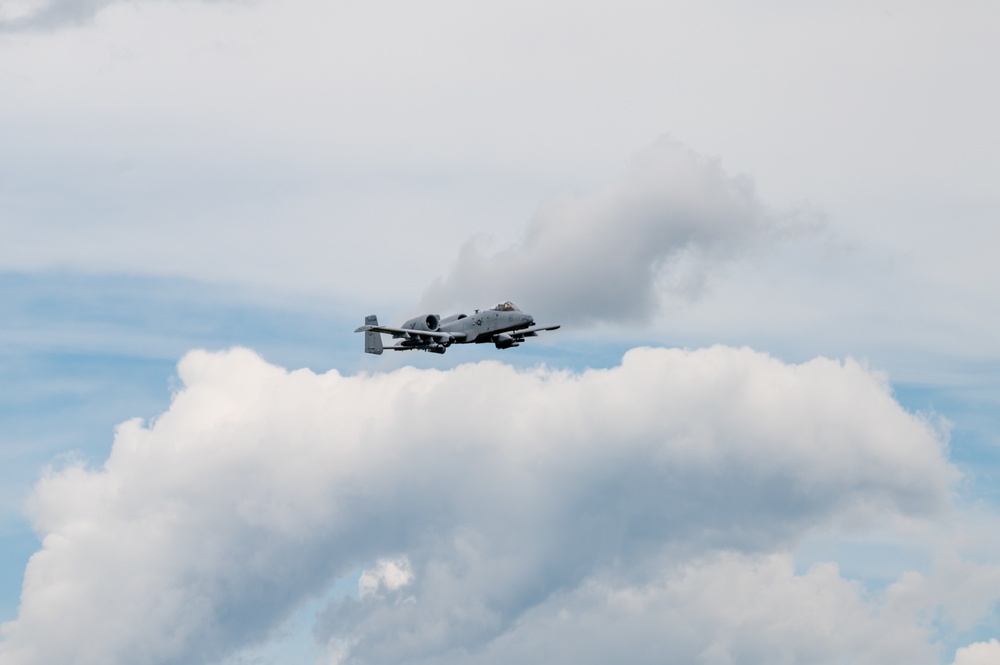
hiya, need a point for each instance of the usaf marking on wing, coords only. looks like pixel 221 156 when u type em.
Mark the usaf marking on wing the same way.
pixel 504 325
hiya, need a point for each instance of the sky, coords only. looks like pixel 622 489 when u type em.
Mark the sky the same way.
pixel 766 432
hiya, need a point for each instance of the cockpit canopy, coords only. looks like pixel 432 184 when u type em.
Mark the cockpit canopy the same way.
pixel 506 307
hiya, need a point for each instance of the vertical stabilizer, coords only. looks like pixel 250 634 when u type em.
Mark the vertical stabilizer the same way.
pixel 373 340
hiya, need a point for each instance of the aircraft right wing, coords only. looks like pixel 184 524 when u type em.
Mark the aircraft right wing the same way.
pixel 531 332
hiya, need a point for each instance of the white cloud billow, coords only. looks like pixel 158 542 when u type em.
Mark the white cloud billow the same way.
pixel 388 574
pixel 493 509
pixel 980 653
pixel 612 255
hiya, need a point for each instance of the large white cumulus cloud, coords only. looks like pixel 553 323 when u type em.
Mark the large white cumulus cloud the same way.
pixel 613 254
pixel 490 506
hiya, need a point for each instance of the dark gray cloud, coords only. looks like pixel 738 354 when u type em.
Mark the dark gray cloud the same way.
pixel 612 255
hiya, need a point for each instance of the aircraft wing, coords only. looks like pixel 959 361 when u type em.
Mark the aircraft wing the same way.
pixel 410 333
pixel 531 332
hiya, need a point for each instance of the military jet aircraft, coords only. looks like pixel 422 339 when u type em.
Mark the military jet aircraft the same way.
pixel 504 325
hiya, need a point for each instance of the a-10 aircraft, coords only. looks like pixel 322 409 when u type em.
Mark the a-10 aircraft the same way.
pixel 504 325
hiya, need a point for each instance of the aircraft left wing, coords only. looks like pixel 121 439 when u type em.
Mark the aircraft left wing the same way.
pixel 409 332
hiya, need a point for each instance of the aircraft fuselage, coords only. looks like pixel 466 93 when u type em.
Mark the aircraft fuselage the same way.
pixel 504 326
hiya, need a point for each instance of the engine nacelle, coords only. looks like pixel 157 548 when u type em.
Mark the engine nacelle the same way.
pixel 430 322
pixel 504 341
pixel 452 318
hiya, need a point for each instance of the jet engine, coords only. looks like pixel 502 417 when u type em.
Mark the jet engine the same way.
pixel 429 322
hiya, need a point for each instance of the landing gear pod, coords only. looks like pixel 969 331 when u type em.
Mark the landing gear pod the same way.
pixel 504 341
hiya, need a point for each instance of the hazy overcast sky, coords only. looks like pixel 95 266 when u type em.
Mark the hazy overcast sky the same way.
pixel 766 432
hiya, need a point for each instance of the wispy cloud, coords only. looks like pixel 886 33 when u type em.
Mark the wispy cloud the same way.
pixel 47 14
pixel 23 15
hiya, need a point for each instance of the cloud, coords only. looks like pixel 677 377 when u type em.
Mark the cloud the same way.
pixel 611 255
pixel 46 14
pixel 980 653
pixel 388 574
pixel 18 15
pixel 723 609
pixel 482 503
